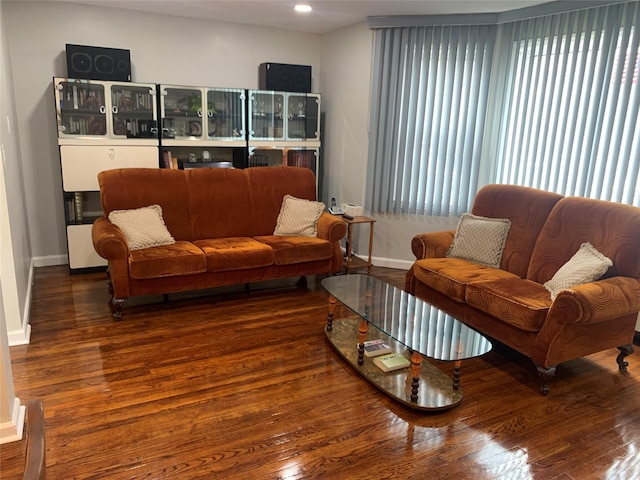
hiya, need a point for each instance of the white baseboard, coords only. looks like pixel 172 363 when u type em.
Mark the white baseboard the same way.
pixel 391 263
pixel 12 431
pixel 50 260
pixel 23 335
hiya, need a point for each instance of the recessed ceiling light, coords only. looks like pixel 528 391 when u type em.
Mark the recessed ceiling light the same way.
pixel 302 8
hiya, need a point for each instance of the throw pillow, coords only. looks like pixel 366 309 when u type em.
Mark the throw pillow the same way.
pixel 586 265
pixel 298 217
pixel 143 227
pixel 480 239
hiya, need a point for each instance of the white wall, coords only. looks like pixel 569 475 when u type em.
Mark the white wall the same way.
pixel 15 254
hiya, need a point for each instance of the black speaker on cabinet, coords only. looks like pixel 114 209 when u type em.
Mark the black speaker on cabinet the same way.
pixel 285 78
pixel 98 63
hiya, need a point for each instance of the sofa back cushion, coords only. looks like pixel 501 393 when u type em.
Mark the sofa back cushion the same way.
pixel 269 185
pixel 527 208
pixel 220 203
pixel 612 228
pixel 129 188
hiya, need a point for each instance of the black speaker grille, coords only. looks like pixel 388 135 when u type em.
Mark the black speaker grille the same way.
pixel 98 63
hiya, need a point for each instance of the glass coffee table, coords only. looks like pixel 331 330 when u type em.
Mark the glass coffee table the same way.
pixel 413 328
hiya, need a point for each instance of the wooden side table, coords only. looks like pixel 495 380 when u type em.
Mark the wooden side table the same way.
pixel 352 261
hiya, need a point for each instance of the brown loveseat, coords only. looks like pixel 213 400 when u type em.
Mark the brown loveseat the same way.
pixel 511 304
pixel 223 223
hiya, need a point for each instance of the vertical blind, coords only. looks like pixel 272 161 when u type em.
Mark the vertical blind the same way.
pixel 429 96
pixel 569 121
pixel 559 111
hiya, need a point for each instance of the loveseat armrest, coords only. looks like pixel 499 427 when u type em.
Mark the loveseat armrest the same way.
pixel 598 301
pixel 331 228
pixel 108 240
pixel 432 245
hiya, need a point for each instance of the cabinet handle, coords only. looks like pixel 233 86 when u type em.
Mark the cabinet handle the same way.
pixel 103 109
pixel 200 113
pixel 114 109
pixel 210 113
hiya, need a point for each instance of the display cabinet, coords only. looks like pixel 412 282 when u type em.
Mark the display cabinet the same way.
pixel 101 112
pixel 101 126
pixel 281 118
pixel 292 156
pixel 202 115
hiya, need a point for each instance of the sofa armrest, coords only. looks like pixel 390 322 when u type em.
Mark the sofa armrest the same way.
pixel 108 240
pixel 598 301
pixel 432 245
pixel 331 228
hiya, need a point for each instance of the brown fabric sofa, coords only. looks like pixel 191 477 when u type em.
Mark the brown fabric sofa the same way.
pixel 223 222
pixel 511 304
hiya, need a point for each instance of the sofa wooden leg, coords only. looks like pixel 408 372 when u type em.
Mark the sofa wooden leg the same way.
pixel 545 374
pixel 302 282
pixel 116 307
pixel 624 351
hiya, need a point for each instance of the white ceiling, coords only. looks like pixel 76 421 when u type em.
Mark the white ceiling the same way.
pixel 327 15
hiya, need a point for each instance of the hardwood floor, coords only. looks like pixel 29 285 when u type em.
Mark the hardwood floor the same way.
pixel 246 386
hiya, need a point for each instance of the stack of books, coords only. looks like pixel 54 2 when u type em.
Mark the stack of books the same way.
pixel 385 359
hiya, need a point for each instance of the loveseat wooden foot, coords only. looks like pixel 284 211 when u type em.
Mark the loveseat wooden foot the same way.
pixel 545 374
pixel 302 282
pixel 624 351
pixel 116 307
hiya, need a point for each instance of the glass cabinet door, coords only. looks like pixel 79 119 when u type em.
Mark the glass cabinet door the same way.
pixel 134 110
pixel 81 109
pixel 225 114
pixel 307 158
pixel 266 115
pixel 181 109
pixel 303 117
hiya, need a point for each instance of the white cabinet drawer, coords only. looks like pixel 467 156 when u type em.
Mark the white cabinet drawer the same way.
pixel 81 164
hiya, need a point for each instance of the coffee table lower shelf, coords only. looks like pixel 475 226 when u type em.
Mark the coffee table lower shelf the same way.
pixel 436 390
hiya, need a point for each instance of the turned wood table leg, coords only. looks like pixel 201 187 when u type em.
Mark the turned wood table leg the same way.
pixel 456 374
pixel 416 363
pixel 362 335
pixel 332 309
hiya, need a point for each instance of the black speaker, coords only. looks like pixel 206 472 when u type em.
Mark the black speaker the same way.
pixel 98 63
pixel 285 78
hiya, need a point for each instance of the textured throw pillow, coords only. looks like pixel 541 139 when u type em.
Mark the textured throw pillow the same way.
pixel 586 265
pixel 298 217
pixel 480 239
pixel 143 227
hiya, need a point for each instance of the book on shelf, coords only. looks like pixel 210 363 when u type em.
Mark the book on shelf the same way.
pixel 373 348
pixel 391 361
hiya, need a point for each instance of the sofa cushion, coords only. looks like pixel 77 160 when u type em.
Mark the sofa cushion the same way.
pixel 587 265
pixel 450 276
pixel 142 227
pixel 235 253
pixel 480 239
pixel 289 250
pixel 298 217
pixel 180 258
pixel 518 302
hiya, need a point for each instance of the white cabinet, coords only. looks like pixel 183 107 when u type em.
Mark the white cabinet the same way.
pixel 101 126
pixel 283 118
pixel 103 112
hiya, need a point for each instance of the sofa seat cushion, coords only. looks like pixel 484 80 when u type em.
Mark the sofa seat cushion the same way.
pixel 518 302
pixel 235 253
pixel 292 250
pixel 180 258
pixel 450 276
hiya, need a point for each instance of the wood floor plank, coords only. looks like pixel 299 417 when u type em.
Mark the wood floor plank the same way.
pixel 235 385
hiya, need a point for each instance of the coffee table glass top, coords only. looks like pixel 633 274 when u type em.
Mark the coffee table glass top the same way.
pixel 409 320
